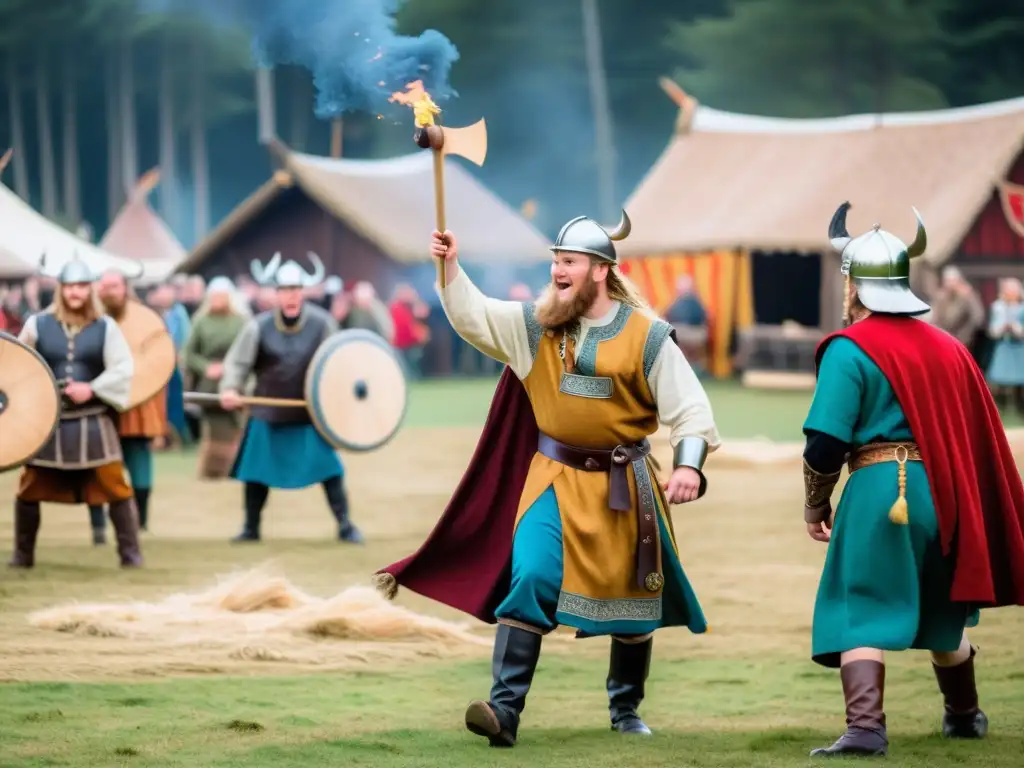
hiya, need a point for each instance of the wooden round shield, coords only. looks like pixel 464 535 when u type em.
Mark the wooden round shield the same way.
pixel 29 403
pixel 356 393
pixel 152 349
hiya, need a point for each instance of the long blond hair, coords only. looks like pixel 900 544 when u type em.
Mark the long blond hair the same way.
pixel 624 290
pixel 92 309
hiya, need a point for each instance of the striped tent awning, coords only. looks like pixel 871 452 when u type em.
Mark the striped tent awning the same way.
pixel 723 281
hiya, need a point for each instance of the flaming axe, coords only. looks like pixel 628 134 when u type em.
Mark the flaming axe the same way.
pixel 469 142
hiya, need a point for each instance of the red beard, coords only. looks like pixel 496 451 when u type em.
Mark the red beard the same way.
pixel 554 313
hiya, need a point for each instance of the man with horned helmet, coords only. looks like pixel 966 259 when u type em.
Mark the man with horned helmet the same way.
pixel 930 524
pixel 280 447
pixel 559 519
pixel 82 462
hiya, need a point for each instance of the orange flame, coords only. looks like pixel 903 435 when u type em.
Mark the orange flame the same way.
pixel 423 107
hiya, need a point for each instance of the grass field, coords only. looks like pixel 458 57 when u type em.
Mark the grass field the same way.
pixel 214 695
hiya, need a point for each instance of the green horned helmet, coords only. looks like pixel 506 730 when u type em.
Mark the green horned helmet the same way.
pixel 878 262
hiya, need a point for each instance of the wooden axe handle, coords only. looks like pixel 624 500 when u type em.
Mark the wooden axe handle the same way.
pixel 439 205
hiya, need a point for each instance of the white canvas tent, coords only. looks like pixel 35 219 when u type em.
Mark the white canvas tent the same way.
pixel 25 235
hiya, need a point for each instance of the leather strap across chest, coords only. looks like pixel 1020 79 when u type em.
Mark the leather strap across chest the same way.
pixel 615 462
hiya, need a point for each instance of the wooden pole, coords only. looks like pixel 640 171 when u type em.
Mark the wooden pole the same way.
pixel 603 139
pixel 273 402
pixel 439 205
pixel 337 124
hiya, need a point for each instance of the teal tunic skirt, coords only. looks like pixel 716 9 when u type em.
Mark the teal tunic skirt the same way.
pixel 883 585
pixel 287 456
pixel 535 597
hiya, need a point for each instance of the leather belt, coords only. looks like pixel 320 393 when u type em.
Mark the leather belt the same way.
pixel 877 453
pixel 614 462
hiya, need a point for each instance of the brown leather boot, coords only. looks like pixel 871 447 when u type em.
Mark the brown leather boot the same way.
pixel 126 527
pixel 26 528
pixel 864 689
pixel 963 719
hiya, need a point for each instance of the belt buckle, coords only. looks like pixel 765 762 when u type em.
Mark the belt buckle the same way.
pixel 620 454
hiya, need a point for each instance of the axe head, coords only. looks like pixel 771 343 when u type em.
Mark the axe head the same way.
pixel 469 142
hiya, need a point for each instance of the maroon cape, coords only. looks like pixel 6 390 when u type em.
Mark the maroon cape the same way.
pixel 976 488
pixel 466 560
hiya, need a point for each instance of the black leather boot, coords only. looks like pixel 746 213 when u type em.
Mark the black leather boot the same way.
pixel 125 520
pixel 627 674
pixel 963 718
pixel 255 497
pixel 337 499
pixel 98 521
pixel 26 528
pixel 516 652
pixel 864 690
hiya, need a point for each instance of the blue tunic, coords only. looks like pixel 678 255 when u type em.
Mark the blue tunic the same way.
pixel 535 597
pixel 287 456
pixel 1006 368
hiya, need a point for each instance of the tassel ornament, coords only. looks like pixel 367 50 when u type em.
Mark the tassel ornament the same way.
pixel 898 511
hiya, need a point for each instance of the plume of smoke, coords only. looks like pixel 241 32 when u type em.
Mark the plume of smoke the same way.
pixel 350 46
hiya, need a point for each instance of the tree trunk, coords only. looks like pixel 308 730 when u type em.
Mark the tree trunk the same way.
pixel 301 108
pixel 129 150
pixel 72 198
pixel 47 169
pixel 168 143
pixel 604 145
pixel 265 106
pixel 200 167
pixel 115 183
pixel 21 185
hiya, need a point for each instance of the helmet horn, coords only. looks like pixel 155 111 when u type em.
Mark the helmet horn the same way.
pixel 261 273
pixel 917 247
pixel 837 233
pixel 621 232
pixel 317 275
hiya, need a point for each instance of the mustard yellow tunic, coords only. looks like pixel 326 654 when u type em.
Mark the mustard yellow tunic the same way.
pixel 574 558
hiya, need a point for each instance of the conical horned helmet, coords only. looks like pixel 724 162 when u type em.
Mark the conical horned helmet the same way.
pixel 878 263
pixel 77 271
pixel 289 274
pixel 584 235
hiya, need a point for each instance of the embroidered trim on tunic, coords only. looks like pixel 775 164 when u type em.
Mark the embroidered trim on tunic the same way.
pixel 533 329
pixel 599 387
pixel 656 335
pixel 644 489
pixel 621 609
pixel 586 362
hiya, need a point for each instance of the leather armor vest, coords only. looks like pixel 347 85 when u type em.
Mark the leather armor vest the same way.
pixel 78 358
pixel 281 363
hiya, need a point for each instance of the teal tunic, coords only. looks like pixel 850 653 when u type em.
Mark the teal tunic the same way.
pixel 884 585
pixel 535 594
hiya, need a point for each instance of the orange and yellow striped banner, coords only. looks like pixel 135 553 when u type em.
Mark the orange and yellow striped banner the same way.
pixel 723 282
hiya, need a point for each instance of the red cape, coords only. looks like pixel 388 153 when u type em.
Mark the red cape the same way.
pixel 976 488
pixel 465 562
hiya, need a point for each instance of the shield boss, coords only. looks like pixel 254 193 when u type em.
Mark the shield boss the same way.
pixel 356 391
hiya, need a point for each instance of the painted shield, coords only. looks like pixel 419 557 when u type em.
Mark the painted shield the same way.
pixel 29 403
pixel 152 349
pixel 1012 197
pixel 356 390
